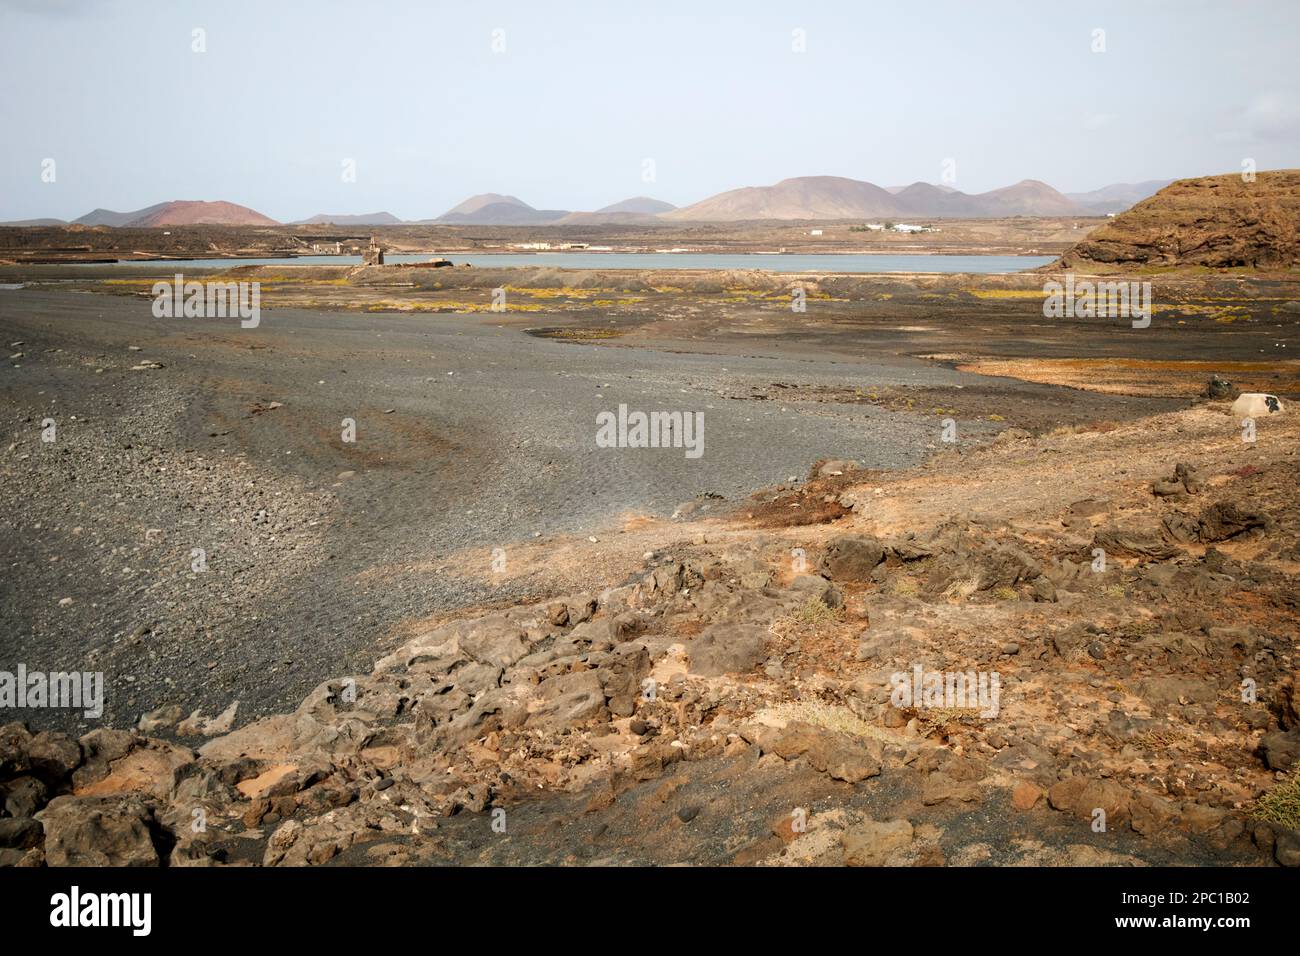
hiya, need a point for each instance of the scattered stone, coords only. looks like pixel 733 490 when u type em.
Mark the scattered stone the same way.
pixel 23 796
pixel 1080 796
pixel 875 844
pixel 940 787
pixel 19 833
pixel 728 649
pixel 834 468
pixel 839 755
pixel 160 718
pixel 1281 750
pixel 1026 795
pixel 885 643
pixel 1227 519
pixel 53 756
pixel 852 557
pixel 196 725
pixel 1286 846
pixel 1218 388
pixel 1185 481
pixel 99 831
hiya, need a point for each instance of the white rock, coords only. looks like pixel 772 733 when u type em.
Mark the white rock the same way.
pixel 1255 405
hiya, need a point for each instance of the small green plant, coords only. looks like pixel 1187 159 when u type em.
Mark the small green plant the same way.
pixel 1281 803
pixel 1004 593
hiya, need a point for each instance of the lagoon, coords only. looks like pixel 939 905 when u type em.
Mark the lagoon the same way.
pixel 774 262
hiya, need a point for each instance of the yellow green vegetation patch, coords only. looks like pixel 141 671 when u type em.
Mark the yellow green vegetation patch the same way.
pixel 1281 803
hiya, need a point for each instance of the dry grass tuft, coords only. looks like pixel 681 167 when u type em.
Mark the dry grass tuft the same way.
pixel 961 590
pixel 830 716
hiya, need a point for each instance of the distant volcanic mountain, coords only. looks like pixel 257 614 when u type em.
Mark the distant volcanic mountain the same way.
pixel 179 212
pixel 344 219
pixel 835 197
pixel 494 209
pixel 1118 196
pixel 895 190
pixel 926 199
pixel 806 197
pixel 35 222
pixel 1214 221
pixel 638 209
pixel 639 204
pixel 106 217
pixel 1029 197
pixel 801 198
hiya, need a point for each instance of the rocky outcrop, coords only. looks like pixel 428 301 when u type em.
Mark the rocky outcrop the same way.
pixel 100 831
pixel 1218 222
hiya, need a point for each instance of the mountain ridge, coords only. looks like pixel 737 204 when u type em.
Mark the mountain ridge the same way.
pixel 350 219
pixel 795 198
pixel 1117 197
pixel 839 197
pixel 179 212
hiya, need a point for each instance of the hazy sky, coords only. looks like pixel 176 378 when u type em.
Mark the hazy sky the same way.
pixel 583 93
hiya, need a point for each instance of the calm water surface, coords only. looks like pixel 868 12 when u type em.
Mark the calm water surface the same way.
pixel 782 262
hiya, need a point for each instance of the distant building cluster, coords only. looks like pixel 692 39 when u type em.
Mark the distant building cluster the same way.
pixel 550 245
pixel 892 227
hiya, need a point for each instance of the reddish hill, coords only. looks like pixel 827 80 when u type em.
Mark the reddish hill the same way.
pixel 179 212
pixel 190 212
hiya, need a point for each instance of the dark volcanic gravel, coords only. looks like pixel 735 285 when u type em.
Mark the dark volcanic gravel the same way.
pixel 469 436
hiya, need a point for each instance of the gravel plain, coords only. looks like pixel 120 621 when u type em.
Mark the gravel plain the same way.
pixel 175 436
